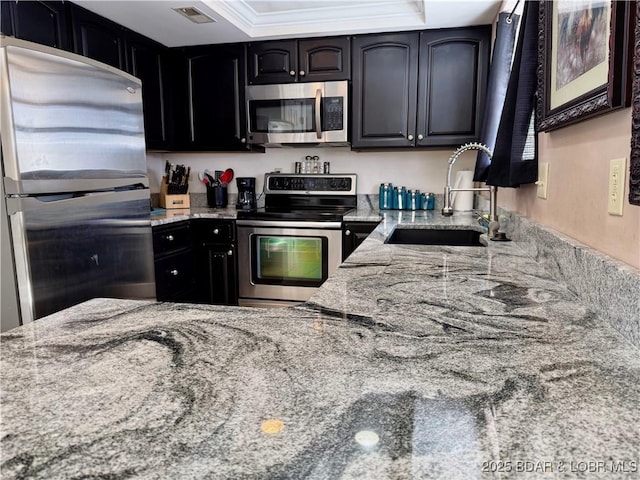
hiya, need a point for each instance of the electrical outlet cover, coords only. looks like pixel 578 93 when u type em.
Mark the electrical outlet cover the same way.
pixel 543 180
pixel 617 177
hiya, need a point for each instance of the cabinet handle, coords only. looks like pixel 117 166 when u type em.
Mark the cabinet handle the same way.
pixel 302 73
pixel 420 137
pixel 347 232
pixel 236 96
pixel 230 252
pixel 410 137
pixel 170 238
pixel 243 140
pixel 216 231
pixel 292 73
pixel 174 272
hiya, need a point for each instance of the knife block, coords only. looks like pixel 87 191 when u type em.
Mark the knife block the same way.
pixel 172 201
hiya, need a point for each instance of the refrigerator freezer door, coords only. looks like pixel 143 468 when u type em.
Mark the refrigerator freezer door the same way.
pixel 68 123
pixel 71 248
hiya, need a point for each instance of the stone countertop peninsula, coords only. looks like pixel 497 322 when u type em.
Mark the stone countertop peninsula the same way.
pixel 410 362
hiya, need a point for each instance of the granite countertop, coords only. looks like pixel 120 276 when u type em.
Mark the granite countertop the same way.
pixel 410 362
pixel 160 216
pixel 164 216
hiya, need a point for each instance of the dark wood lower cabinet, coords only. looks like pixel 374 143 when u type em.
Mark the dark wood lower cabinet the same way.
pixel 216 264
pixel 217 275
pixel 353 234
pixel 195 262
pixel 174 262
pixel 174 277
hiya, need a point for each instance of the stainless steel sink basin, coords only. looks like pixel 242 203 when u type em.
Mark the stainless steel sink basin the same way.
pixel 430 236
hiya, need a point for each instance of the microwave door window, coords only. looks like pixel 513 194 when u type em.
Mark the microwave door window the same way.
pixel 282 116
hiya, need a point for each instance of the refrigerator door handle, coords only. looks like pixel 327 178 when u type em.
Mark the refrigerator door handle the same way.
pixel 44 202
pixel 35 187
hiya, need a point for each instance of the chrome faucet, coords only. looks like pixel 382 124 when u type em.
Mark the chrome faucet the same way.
pixel 447 209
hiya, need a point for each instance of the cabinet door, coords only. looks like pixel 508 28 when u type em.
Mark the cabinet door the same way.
pixel 325 59
pixel 146 61
pixel 217 274
pixel 272 62
pixel 385 76
pixel 40 22
pixel 6 24
pixel 172 238
pixel 174 277
pixel 211 111
pixel 97 38
pixel 454 66
pixel 353 234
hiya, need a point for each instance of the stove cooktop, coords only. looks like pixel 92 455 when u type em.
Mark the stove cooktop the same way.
pixel 311 198
pixel 310 215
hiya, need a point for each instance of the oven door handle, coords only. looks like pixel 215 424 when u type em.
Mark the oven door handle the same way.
pixel 285 224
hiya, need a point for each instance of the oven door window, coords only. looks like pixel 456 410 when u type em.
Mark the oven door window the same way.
pixel 289 260
pixel 282 116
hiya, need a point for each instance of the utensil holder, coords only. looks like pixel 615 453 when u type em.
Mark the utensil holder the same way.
pixel 217 197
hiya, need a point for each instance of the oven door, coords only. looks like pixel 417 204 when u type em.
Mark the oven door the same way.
pixel 285 261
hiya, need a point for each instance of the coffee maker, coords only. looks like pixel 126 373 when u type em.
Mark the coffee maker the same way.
pixel 246 193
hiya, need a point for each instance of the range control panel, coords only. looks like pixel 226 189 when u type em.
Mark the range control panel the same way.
pixel 291 183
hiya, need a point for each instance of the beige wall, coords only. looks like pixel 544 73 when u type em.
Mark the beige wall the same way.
pixel 576 205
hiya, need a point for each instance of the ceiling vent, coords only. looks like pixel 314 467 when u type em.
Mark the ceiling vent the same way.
pixel 193 14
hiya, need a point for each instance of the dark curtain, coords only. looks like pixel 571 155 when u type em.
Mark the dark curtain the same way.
pixel 496 89
pixel 515 155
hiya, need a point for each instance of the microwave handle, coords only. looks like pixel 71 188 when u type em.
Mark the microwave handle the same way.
pixel 318 120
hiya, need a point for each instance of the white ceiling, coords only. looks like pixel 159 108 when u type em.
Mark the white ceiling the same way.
pixel 245 20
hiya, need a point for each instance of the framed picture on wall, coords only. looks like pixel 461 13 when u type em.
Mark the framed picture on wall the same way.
pixel 584 59
pixel 634 169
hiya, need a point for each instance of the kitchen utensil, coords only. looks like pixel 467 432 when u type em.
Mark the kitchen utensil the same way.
pixel 226 176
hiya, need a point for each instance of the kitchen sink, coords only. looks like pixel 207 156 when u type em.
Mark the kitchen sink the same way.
pixel 431 236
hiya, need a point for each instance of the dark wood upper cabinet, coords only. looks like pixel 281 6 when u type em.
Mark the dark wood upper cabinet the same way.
pixel 287 61
pixel 209 105
pixel 454 66
pixel 419 89
pixel 324 59
pixel 40 22
pixel 146 61
pixel 98 38
pixel 272 62
pixel 385 76
pixel 6 24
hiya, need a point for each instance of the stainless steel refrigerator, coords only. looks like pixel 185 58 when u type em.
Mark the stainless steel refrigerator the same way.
pixel 75 210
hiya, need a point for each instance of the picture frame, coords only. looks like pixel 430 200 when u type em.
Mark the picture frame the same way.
pixel 634 168
pixel 584 59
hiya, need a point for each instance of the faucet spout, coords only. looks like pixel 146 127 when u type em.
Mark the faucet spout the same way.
pixel 447 208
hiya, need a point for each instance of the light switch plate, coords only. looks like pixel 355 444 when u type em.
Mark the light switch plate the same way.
pixel 617 176
pixel 543 180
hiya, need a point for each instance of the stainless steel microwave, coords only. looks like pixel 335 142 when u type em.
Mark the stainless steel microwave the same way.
pixel 305 113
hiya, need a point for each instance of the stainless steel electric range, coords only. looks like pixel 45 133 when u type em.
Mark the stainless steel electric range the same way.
pixel 287 249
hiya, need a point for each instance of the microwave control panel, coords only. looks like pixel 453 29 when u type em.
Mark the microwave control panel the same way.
pixel 332 113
